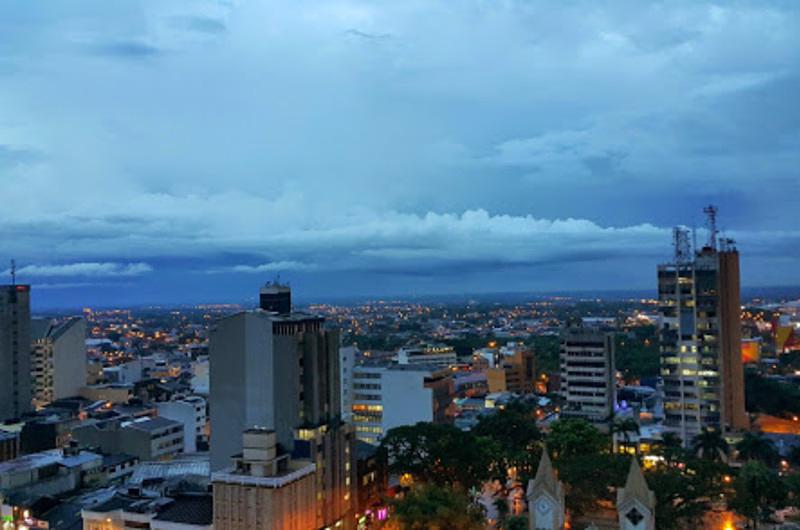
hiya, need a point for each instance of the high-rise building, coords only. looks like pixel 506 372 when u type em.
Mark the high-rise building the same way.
pixel 15 351
pixel 58 359
pixel 588 386
pixel 279 370
pixel 265 489
pixel 388 396
pixel 700 337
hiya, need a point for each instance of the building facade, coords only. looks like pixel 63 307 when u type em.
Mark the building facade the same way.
pixel 280 371
pixel 428 354
pixel 513 370
pixel 588 385
pixel 15 351
pixel 144 438
pixel 265 488
pixel 191 412
pixel 700 339
pixel 387 396
pixel 58 360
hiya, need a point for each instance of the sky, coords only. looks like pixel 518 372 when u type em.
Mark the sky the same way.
pixel 168 151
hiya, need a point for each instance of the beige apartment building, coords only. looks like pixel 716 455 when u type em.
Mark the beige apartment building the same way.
pixel 265 489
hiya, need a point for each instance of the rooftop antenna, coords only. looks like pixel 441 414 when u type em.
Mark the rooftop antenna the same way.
pixel 711 214
pixel 680 240
pixel 13 272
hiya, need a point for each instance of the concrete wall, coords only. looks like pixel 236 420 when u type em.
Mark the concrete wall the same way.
pixel 69 359
pixel 185 413
pixel 405 399
pixel 241 382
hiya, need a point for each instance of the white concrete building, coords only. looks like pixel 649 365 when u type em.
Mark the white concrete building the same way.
pixel 384 397
pixel 427 354
pixel 191 412
pixel 58 359
pixel 347 356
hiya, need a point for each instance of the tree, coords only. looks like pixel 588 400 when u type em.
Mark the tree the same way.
pixel 501 505
pixel 575 436
pixel 710 445
pixel 625 427
pixel 517 522
pixel 591 477
pixel 514 433
pixel 758 447
pixel 794 456
pixel 437 454
pixel 432 507
pixel 793 489
pixel 671 448
pixel 683 495
pixel 758 493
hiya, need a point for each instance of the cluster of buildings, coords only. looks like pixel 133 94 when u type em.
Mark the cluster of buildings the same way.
pixel 262 419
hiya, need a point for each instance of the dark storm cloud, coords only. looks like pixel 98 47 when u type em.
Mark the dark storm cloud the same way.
pixel 419 139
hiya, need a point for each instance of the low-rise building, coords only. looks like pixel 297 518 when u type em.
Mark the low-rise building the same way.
pixel 191 412
pixel 428 354
pixel 144 438
pixel 128 511
pixel 387 396
pixel 113 393
pixel 265 488
pixel 9 445
pixel 50 472
pixel 514 370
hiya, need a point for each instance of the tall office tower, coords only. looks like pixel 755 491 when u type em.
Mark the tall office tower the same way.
pixel 588 387
pixel 279 370
pixel 700 336
pixel 15 350
pixel 58 359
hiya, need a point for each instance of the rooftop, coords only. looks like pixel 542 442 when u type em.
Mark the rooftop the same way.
pixel 188 509
pixel 151 424
pixel 46 458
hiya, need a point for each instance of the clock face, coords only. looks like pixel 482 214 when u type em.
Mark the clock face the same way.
pixel 543 506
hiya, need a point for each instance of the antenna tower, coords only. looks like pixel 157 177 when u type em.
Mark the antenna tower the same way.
pixel 711 215
pixel 680 240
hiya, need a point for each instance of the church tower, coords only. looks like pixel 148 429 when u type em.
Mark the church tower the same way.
pixel 546 498
pixel 636 504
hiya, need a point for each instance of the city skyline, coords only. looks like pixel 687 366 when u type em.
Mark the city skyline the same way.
pixel 184 153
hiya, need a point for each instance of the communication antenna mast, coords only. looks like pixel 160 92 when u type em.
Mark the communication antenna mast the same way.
pixel 13 272
pixel 711 214
pixel 680 240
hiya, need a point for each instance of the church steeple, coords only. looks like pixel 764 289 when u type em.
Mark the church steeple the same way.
pixel 636 503
pixel 546 497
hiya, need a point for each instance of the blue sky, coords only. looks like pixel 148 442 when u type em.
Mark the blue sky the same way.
pixel 181 151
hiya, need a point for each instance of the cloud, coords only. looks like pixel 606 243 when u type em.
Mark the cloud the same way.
pixel 200 24
pixel 125 49
pixel 277 266
pixel 399 137
pixel 91 269
pixel 11 157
